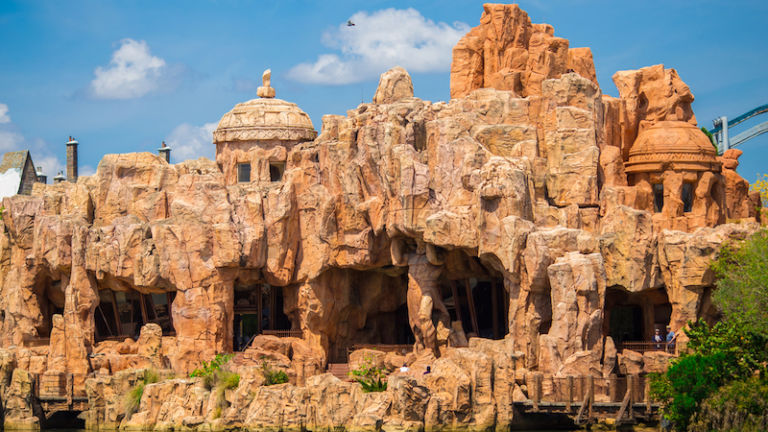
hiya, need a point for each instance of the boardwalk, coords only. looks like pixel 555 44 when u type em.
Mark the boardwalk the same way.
pixel 57 392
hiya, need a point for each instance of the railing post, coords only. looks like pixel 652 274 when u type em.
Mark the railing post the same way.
pixel 570 393
pixel 631 389
pixel 612 384
pixel 536 390
pixel 70 387
pixel 590 392
pixel 647 396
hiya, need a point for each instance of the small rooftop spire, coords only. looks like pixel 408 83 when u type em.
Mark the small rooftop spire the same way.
pixel 266 90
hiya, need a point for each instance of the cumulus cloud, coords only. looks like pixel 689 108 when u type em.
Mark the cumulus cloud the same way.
pixel 379 41
pixel 132 73
pixel 191 142
pixel 9 140
pixel 4 117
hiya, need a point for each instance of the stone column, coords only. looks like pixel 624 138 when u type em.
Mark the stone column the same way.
pixel 72 160
pixel 427 315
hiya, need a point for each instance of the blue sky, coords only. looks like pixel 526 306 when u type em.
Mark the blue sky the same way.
pixel 122 76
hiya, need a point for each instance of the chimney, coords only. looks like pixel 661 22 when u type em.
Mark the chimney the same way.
pixel 165 152
pixel 59 178
pixel 41 178
pixel 72 160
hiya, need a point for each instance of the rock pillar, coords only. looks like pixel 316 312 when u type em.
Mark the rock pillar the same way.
pixel 427 315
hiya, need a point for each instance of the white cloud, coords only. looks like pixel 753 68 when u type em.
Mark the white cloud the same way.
pixel 379 41
pixel 132 72
pixel 9 140
pixel 191 142
pixel 4 117
pixel 51 164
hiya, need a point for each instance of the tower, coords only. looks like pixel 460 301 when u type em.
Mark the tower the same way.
pixel 165 152
pixel 72 160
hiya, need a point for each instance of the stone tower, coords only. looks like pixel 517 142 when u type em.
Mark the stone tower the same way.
pixel 254 138
pixel 72 160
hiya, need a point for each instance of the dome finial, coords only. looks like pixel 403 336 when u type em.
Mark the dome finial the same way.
pixel 266 91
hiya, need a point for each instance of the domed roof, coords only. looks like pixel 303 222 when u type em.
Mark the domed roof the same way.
pixel 264 119
pixel 674 145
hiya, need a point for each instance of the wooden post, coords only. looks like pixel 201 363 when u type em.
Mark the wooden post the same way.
pixel 170 299
pixel 495 309
pixel 536 390
pixel 118 324
pixel 260 308
pixel 631 387
pixel 590 392
pixel 647 397
pixel 612 388
pixel 69 389
pixel 143 306
pixel 272 305
pixel 570 393
pixel 456 302
pixel 471 303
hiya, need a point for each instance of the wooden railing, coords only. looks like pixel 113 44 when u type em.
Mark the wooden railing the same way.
pixel 283 333
pixel 399 349
pixel 642 347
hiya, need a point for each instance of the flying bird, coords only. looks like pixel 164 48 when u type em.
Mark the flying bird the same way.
pixel 350 23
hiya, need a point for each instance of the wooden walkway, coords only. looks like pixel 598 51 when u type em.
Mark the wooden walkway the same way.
pixel 587 399
pixel 56 392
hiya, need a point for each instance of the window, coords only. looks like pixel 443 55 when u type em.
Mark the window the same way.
pixel 276 170
pixel 243 173
pixel 658 197
pixel 687 197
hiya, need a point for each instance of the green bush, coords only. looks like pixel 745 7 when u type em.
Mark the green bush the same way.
pixel 223 380
pixel 739 406
pixel 371 377
pixel 133 397
pixel 209 368
pixel 715 356
pixel 741 269
pixel 272 376
pixel 709 135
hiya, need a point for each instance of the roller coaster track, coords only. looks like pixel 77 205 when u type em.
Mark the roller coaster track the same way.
pixel 722 126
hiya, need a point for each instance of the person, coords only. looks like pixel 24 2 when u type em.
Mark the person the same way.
pixel 671 337
pixel 658 339
pixel 428 371
pixel 404 368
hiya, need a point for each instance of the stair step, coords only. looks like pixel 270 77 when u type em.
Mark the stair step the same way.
pixel 339 370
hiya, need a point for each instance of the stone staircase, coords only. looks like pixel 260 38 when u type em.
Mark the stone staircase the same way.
pixel 339 370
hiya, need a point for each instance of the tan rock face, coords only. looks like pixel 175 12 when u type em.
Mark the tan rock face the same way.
pixel 507 52
pixel 513 200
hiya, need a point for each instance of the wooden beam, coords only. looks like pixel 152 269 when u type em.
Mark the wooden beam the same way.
pixel 495 309
pixel 118 324
pixel 472 311
pixel 456 302
pixel 260 307
pixel 143 307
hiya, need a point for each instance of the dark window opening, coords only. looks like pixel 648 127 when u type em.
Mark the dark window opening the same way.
pixel 626 324
pixel 658 197
pixel 243 173
pixel 315 158
pixel 276 170
pixel 122 314
pixel 480 305
pixel 258 308
pixel 50 300
pixel 687 197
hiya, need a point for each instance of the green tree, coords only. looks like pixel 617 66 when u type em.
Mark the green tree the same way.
pixel 742 282
pixel 709 135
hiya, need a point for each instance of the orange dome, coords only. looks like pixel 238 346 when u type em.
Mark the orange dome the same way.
pixel 672 145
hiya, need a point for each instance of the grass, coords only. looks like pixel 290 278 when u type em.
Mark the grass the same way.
pixel 272 376
pixel 133 397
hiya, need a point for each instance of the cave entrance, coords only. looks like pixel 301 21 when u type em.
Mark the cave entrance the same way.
pixel 50 300
pixel 121 314
pixel 474 295
pixel 259 309
pixel 65 420
pixel 632 318
pixel 372 312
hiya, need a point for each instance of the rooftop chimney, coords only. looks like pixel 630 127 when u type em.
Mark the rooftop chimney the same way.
pixel 59 178
pixel 72 160
pixel 165 152
pixel 41 178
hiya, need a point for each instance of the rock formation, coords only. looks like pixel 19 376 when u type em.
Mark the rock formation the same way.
pixel 512 212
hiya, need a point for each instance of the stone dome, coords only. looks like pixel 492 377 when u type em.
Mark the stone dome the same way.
pixel 672 145
pixel 264 119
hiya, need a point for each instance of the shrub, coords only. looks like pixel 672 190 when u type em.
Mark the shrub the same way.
pixel 371 377
pixel 133 397
pixel 739 406
pixel 272 376
pixel 209 368
pixel 709 135
pixel 224 380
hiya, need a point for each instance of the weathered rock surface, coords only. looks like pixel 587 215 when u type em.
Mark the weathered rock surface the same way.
pixel 514 194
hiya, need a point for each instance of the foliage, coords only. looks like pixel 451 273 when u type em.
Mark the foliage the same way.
pixel 742 272
pixel 133 397
pixel 210 368
pixel 2 209
pixel 272 376
pixel 761 185
pixel 710 136
pixel 224 380
pixel 716 356
pixel 739 406
pixel 370 376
